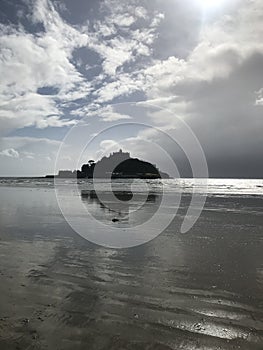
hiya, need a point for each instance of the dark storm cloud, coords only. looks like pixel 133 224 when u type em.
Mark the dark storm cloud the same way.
pixel 228 122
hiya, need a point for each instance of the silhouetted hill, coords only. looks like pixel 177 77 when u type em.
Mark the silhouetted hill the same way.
pixel 117 165
pixel 134 167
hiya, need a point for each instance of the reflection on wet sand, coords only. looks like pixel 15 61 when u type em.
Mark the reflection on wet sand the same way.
pixel 202 290
pixel 117 205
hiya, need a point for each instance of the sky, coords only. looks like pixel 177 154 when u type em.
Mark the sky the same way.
pixel 90 77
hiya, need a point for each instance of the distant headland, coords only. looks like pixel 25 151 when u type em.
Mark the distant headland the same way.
pixel 118 165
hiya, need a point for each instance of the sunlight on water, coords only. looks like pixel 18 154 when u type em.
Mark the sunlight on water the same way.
pixel 215 186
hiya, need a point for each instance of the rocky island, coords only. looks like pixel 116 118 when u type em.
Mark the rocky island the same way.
pixel 117 165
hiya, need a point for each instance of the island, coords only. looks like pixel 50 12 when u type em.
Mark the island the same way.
pixel 118 165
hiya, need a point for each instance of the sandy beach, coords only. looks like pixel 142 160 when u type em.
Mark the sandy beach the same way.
pixel 200 290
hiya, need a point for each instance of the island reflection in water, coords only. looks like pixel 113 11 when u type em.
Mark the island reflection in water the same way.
pixel 124 207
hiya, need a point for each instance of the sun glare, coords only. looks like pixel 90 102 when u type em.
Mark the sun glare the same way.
pixel 210 4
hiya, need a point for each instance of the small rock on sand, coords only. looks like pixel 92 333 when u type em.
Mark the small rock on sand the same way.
pixel 115 220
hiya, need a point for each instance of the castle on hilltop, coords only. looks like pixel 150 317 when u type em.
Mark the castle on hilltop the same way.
pixel 118 156
pixel 116 165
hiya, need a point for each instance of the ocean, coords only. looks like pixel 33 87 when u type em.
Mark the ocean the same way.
pixel 225 187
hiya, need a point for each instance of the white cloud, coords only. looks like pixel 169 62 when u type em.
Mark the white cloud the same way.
pixel 259 98
pixel 124 20
pixel 29 62
pixel 106 113
pixel 140 12
pixel 107 147
pixel 124 85
pixel 109 115
pixel 30 109
pixel 19 141
pixel 115 53
pixel 29 147
pixel 36 156
pixel 54 121
pixel 157 19
pixel 223 47
pixel 10 152
pixel 28 155
pixel 127 43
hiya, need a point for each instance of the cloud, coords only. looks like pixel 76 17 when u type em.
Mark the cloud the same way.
pixel 29 62
pixel 19 141
pixel 32 62
pixel 31 109
pixel 10 152
pixel 107 147
pixel 29 147
pixel 124 85
pixel 27 156
pixel 259 97
pixel 223 46
pixel 107 113
pixel 122 38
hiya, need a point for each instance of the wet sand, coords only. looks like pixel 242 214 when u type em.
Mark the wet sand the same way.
pixel 200 290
